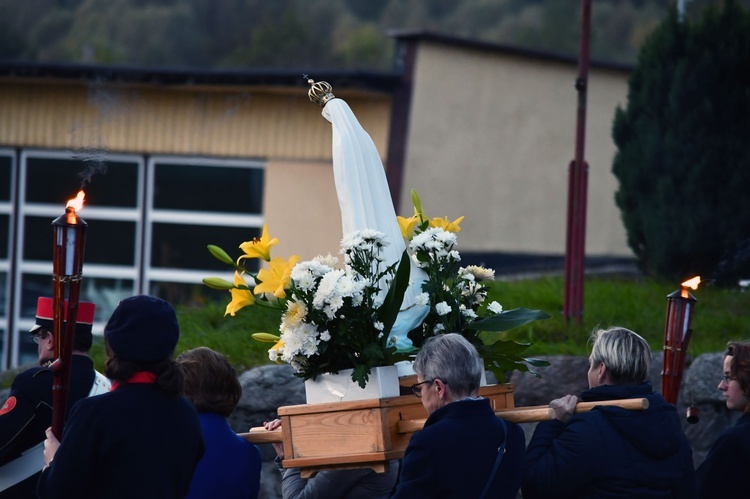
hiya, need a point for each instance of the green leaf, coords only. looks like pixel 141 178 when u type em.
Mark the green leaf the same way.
pixel 388 311
pixel 218 283
pixel 220 254
pixel 361 375
pixel 506 320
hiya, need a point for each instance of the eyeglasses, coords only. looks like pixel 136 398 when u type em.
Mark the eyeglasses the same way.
pixel 39 336
pixel 726 379
pixel 417 388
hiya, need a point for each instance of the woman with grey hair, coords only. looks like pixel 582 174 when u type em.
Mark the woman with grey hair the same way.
pixel 464 450
pixel 611 451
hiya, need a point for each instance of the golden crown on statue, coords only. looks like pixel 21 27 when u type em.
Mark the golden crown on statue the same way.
pixel 320 92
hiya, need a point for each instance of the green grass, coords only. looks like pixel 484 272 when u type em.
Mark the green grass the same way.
pixel 638 304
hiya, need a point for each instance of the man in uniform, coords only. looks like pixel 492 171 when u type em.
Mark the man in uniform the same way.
pixel 27 412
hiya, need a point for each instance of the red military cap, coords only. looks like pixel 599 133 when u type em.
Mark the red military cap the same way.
pixel 45 315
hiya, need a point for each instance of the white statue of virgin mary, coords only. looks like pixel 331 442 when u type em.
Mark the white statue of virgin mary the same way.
pixel 365 200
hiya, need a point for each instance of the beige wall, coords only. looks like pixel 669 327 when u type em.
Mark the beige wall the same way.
pixel 491 136
pixel 301 208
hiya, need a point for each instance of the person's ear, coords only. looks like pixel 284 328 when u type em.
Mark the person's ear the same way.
pixel 601 374
pixel 440 387
pixel 48 342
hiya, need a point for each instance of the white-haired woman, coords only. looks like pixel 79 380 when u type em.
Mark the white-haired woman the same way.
pixel 611 451
pixel 464 450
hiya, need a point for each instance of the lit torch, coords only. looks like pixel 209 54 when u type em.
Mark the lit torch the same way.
pixel 69 235
pixel 677 333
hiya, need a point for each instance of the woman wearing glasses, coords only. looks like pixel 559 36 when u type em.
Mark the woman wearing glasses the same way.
pixel 464 450
pixel 727 462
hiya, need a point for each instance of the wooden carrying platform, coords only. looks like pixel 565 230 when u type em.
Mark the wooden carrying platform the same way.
pixel 358 434
pixel 370 433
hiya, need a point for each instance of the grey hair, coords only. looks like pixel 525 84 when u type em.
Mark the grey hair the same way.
pixel 625 353
pixel 451 358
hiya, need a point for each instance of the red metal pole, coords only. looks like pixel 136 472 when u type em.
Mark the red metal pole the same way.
pixel 577 186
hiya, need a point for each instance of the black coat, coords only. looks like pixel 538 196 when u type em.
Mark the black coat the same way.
pixel 611 452
pixel 453 456
pixel 722 474
pixel 27 413
pixel 131 442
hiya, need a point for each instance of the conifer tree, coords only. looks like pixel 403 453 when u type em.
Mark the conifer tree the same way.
pixel 683 159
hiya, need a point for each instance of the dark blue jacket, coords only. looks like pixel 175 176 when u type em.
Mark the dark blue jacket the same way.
pixel 611 452
pixel 230 468
pixel 131 442
pixel 722 474
pixel 27 413
pixel 453 456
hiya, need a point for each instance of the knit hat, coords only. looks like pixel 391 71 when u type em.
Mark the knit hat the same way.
pixel 142 329
pixel 45 317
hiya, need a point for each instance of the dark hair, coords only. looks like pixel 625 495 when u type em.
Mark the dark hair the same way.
pixel 210 381
pixel 740 366
pixel 169 377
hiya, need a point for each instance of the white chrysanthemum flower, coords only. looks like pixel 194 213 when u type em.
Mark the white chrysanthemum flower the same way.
pixel 328 260
pixel 327 288
pixel 296 311
pixel 455 256
pixel 422 299
pixel 469 313
pixel 480 273
pixel 345 286
pixel 325 335
pixel 495 307
pixel 351 241
pixel 443 308
pixel 378 325
pixel 466 276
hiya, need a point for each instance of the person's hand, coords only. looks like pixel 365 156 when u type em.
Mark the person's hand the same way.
pixel 50 446
pixel 270 426
pixel 564 407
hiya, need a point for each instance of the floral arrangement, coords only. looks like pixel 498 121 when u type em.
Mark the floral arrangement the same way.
pixel 332 318
pixel 340 318
pixel 457 295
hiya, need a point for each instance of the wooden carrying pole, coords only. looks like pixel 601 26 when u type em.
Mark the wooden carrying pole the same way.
pixel 532 414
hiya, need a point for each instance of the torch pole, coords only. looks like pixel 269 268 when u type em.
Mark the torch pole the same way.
pixel 68 241
pixel 677 334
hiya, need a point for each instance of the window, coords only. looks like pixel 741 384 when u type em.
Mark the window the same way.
pixel 6 210
pixel 149 220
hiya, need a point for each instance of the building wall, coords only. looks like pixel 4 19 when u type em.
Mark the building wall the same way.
pixel 281 127
pixel 491 137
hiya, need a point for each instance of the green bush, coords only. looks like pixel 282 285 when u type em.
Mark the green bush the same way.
pixel 683 163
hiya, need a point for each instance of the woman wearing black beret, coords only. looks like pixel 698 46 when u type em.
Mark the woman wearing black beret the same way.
pixel 142 439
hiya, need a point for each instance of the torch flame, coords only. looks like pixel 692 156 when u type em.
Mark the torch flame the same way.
pixel 692 283
pixel 77 202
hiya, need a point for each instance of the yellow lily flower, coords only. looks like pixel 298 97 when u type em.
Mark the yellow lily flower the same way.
pixel 259 248
pixel 277 277
pixel 407 225
pixel 444 224
pixel 274 353
pixel 241 298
